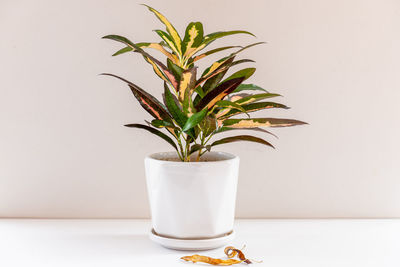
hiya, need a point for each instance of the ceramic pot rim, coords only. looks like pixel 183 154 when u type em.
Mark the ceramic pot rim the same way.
pixel 218 157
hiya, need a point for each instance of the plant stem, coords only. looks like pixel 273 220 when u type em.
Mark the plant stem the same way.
pixel 181 154
pixel 187 144
pixel 202 143
pixel 198 155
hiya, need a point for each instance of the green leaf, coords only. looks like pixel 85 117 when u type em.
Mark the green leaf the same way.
pixel 212 80
pixel 241 138
pixel 219 93
pixel 248 87
pixel 154 131
pixel 241 61
pixel 245 73
pixel 221 61
pixel 247 46
pixel 199 91
pixel 168 40
pixel 197 147
pixel 208 39
pixel 193 37
pixel 161 123
pixel 253 98
pixel 230 105
pixel 214 77
pixel 208 125
pixel 224 129
pixel 194 120
pixel 122 39
pixel 123 50
pixel 173 108
pixel 221 66
pixel 216 35
pixel 254 107
pixel 155 46
pixel 175 69
pixel 261 122
pixel 210 52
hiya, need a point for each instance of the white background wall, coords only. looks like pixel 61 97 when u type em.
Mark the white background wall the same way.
pixel 65 153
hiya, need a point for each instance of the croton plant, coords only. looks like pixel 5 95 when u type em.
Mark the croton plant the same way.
pixel 196 108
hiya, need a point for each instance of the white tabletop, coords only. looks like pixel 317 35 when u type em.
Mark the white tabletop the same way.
pixel 119 243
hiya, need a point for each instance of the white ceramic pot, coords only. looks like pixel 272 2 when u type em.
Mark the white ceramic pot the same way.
pixel 192 203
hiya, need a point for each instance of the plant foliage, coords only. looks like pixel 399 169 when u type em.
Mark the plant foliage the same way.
pixel 196 108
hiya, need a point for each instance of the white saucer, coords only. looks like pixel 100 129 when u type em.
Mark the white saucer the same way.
pixel 191 244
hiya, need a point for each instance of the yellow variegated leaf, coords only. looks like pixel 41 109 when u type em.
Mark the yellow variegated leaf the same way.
pixel 193 38
pixel 236 97
pixel 194 51
pixel 167 73
pixel 187 83
pixel 260 122
pixel 155 46
pixel 160 48
pixel 170 28
pixel 212 37
pixel 214 66
pixel 157 70
pixel 251 108
pixel 218 93
pixel 222 113
pixel 167 76
pixel 168 40
pixel 212 79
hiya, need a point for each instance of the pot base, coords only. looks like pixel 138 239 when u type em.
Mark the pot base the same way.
pixel 191 244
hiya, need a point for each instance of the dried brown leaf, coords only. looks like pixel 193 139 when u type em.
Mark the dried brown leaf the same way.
pixel 232 252
pixel 199 258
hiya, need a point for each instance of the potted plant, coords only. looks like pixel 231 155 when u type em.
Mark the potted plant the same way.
pixel 192 190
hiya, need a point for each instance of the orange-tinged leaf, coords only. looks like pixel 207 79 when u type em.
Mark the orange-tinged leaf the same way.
pixel 157 70
pixel 147 101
